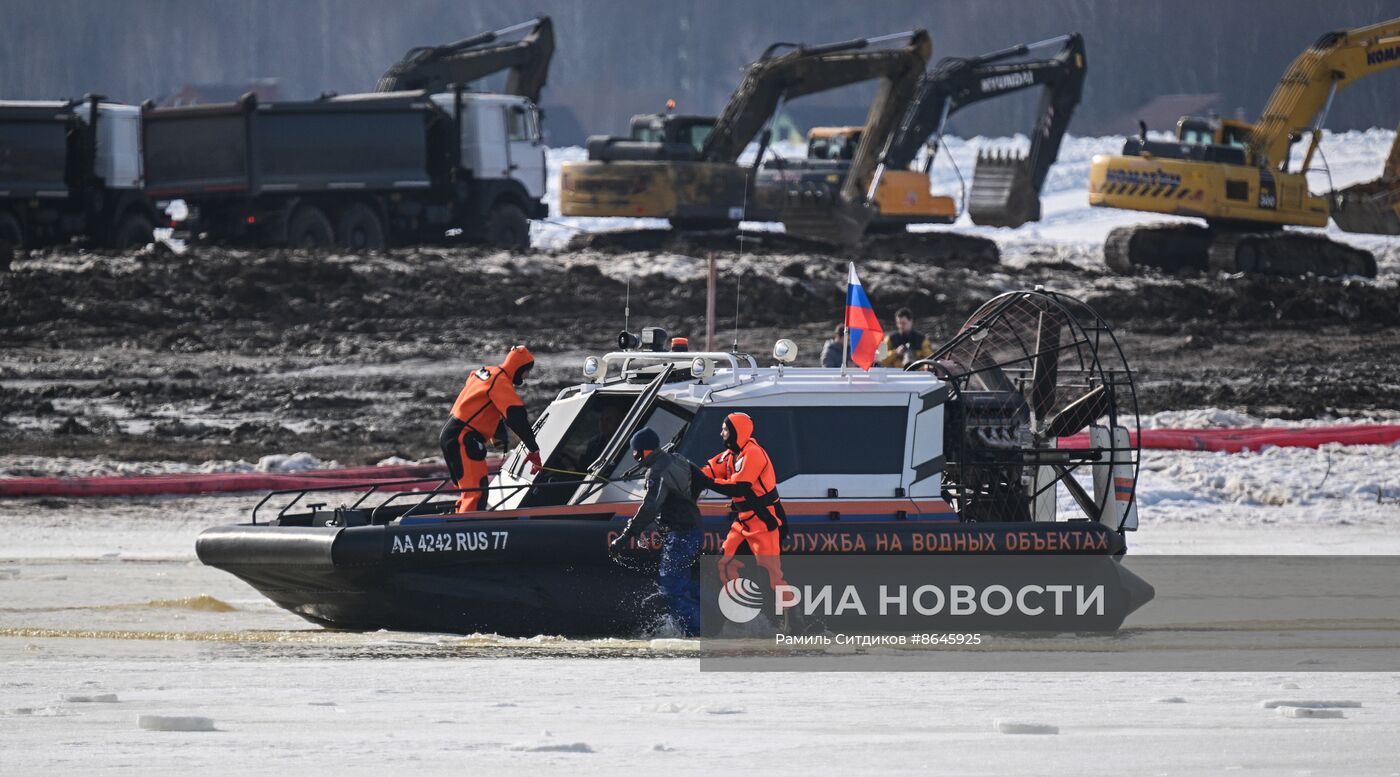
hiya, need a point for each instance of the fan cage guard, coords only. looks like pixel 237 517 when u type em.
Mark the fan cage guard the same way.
pixel 1027 372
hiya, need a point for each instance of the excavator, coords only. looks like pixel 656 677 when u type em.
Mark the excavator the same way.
pixel 438 68
pixel 1005 187
pixel 685 168
pixel 1238 177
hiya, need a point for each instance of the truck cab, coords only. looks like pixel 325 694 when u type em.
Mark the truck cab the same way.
pixel 117 161
pixel 72 169
pixel 500 139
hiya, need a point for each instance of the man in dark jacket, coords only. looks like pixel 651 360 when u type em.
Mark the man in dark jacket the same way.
pixel 673 486
pixel 831 349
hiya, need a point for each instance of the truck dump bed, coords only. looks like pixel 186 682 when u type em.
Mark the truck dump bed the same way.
pixel 34 148
pixel 361 142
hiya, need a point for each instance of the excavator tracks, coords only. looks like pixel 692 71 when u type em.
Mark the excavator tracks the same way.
pixel 1288 253
pixel 1168 247
pixel 1192 247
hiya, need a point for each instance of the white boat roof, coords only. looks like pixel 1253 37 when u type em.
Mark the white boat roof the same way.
pixel 737 382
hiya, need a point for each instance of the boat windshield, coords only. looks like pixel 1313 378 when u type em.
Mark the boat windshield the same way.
pixel 669 421
pixel 570 451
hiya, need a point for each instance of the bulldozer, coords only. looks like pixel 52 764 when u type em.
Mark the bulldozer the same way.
pixel 1005 186
pixel 439 68
pixel 1239 178
pixel 686 168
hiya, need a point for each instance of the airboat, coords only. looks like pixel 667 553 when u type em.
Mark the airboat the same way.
pixel 1018 436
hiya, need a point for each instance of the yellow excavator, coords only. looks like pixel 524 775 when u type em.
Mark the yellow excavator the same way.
pixel 686 168
pixel 1238 176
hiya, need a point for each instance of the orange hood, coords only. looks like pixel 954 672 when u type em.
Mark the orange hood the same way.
pixel 518 358
pixel 743 428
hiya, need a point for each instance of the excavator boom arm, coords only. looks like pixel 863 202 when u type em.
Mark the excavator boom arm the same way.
pixel 1300 101
pixel 806 70
pixel 955 83
pixel 434 68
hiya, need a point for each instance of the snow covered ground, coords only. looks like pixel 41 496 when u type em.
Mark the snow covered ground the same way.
pixel 453 713
pixel 106 617
pixel 1350 157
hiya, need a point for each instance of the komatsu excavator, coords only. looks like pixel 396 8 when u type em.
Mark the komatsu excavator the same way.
pixel 685 168
pixel 1238 177
pixel 438 68
pixel 1005 187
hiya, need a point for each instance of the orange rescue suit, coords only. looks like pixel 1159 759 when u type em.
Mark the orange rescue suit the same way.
pixel 486 399
pixel 760 516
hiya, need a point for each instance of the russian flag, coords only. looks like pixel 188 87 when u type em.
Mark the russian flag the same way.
pixel 861 324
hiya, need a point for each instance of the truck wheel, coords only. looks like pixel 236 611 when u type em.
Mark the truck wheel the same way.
pixel 508 227
pixel 134 231
pixel 360 229
pixel 309 228
pixel 11 239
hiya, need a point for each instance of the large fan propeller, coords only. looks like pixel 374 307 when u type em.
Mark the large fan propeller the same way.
pixel 1031 368
pixel 1075 416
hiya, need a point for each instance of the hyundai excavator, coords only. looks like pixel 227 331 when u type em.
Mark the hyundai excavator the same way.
pixel 1238 177
pixel 438 68
pixel 1005 187
pixel 685 168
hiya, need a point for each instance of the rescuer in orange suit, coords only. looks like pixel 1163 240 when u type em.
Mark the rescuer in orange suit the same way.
pixel 744 471
pixel 488 397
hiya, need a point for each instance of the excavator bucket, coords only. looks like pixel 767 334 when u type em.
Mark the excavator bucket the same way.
pixel 1372 208
pixel 1369 208
pixel 838 223
pixel 1002 194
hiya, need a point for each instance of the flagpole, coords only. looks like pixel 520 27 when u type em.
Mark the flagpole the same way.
pixel 845 324
pixel 845 345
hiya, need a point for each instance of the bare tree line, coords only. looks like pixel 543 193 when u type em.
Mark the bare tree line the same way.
pixel 618 57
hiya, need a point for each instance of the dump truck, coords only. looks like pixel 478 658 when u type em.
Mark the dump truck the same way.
pixel 1240 178
pixel 357 171
pixel 71 170
pixel 422 160
pixel 698 183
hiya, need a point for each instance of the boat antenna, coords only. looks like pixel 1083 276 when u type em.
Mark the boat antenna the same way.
pixel 627 304
pixel 738 282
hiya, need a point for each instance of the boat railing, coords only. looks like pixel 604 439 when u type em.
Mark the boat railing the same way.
pixel 383 510
pixel 625 359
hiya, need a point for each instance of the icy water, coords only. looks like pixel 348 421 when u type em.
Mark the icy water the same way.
pixel 106 617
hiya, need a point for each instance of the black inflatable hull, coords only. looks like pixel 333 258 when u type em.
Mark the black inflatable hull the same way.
pixel 545 576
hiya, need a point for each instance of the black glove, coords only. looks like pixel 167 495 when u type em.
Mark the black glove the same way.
pixel 619 544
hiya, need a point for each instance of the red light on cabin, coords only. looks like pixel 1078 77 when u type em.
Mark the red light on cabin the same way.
pixel 251 220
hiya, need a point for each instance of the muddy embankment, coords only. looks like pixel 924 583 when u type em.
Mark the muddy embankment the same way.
pixel 219 354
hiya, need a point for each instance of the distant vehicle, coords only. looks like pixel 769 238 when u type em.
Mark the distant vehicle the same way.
pixel 421 160
pixel 360 171
pixel 686 168
pixel 72 170
pixel 1239 178
pixel 1005 188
